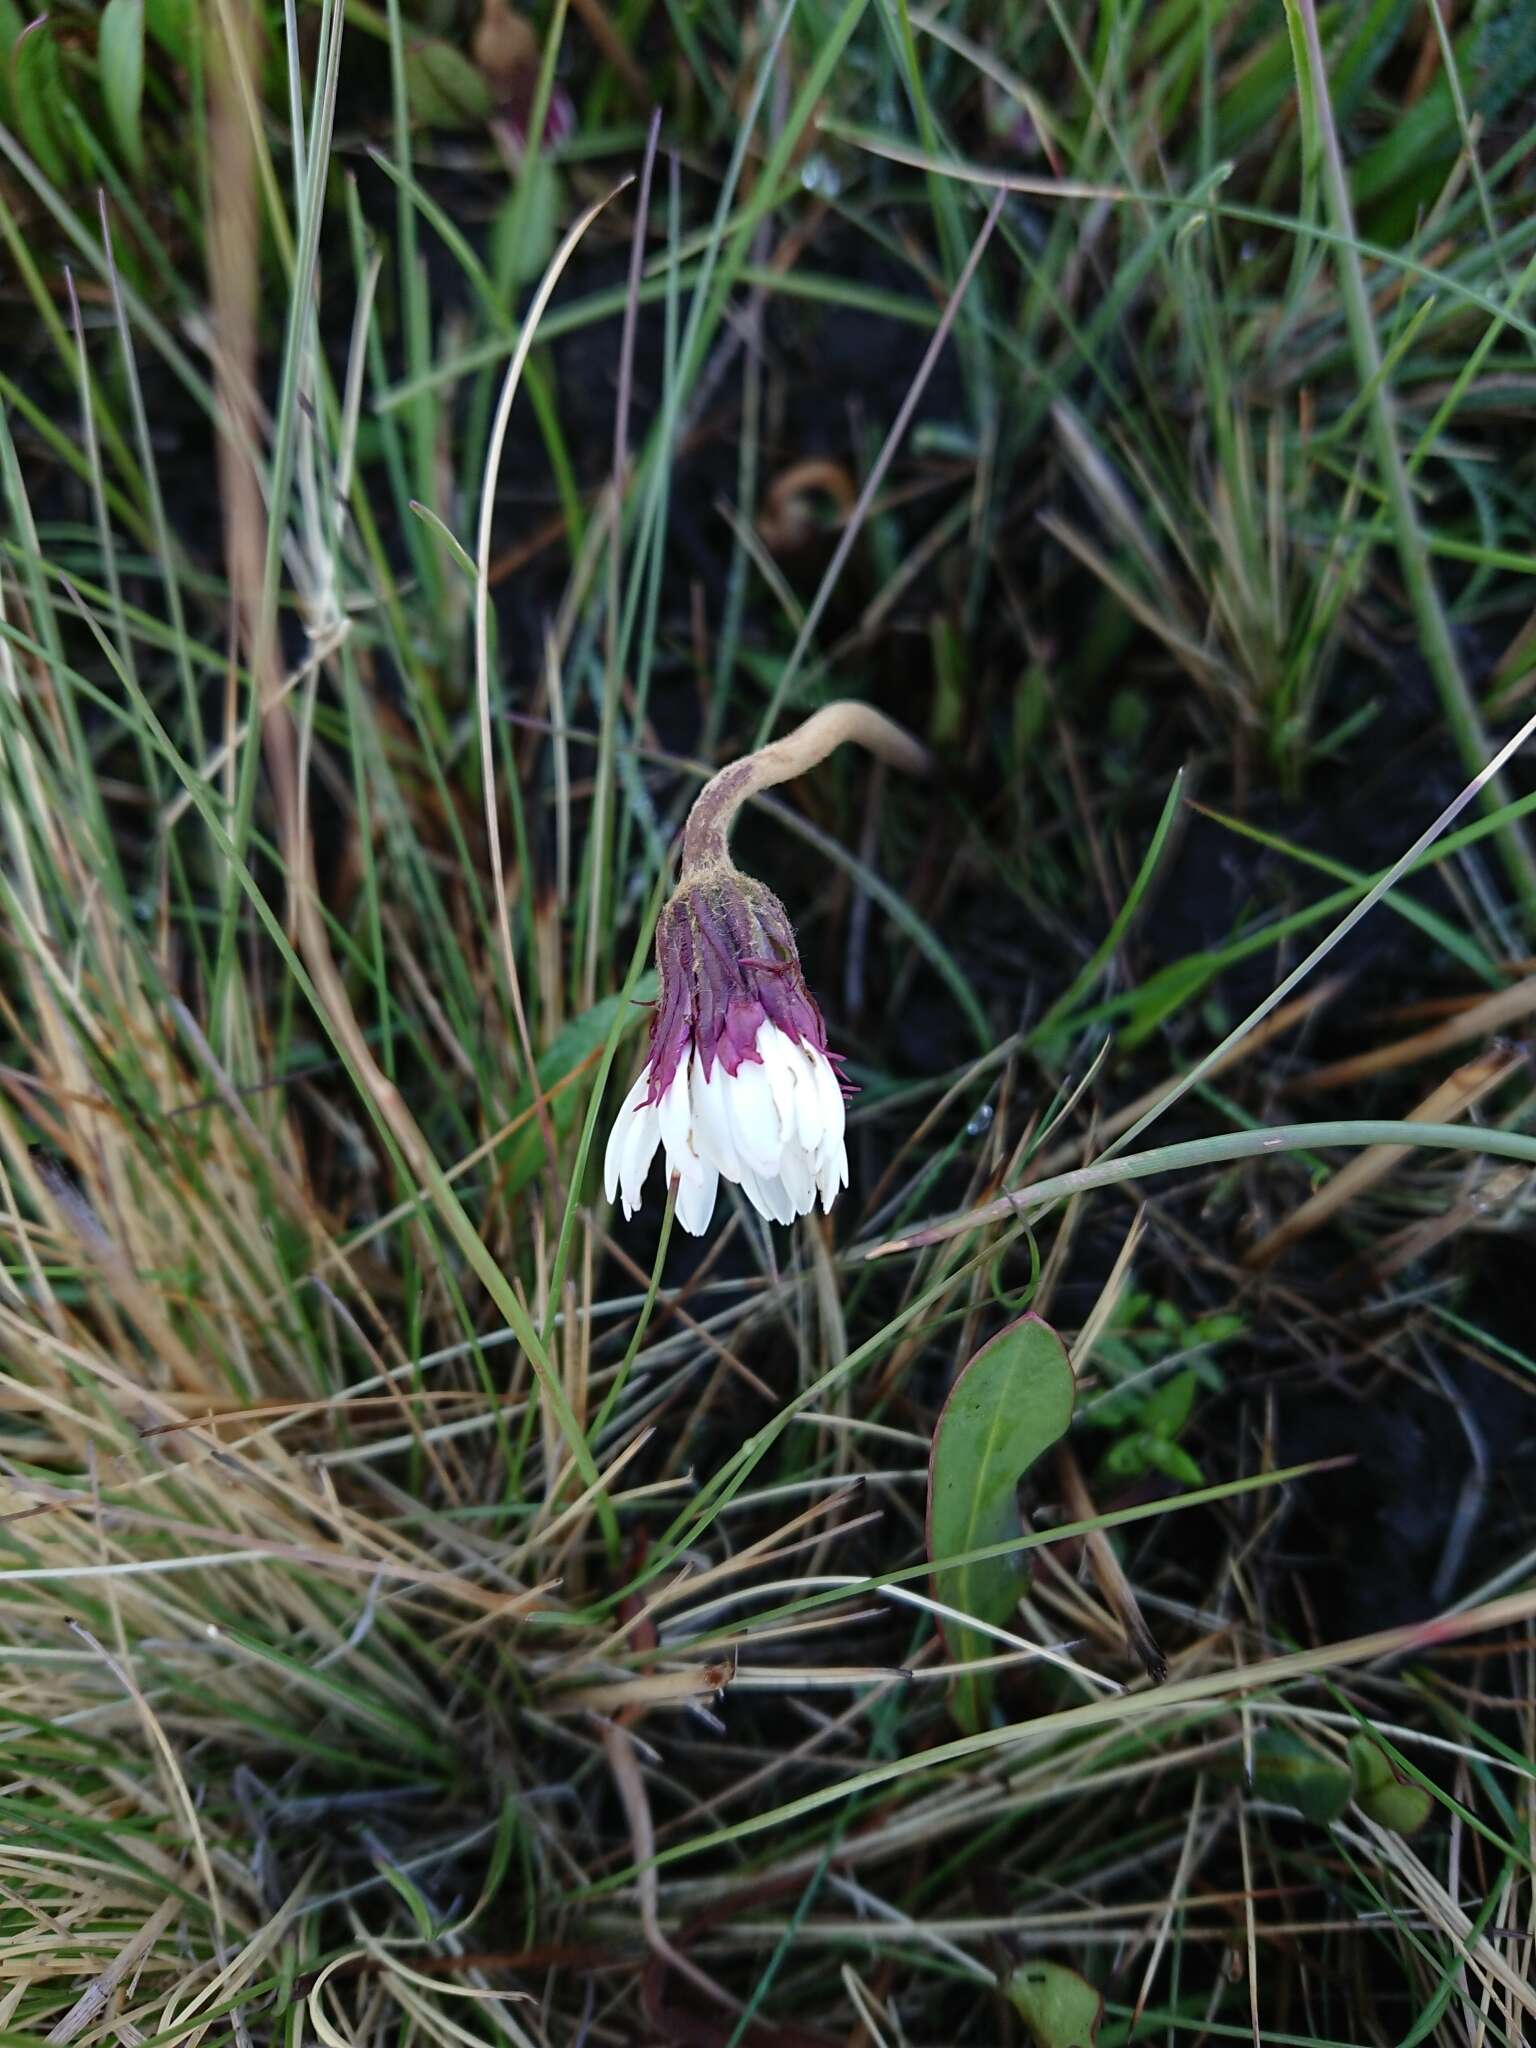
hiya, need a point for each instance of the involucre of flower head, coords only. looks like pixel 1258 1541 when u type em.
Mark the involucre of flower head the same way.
pixel 739 1082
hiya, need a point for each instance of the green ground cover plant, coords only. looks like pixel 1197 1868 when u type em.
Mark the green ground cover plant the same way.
pixel 438 1607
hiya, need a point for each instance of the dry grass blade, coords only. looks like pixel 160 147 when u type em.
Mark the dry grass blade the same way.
pixel 619 1747
pixel 1480 1019
pixel 1455 1097
pixel 1491 1197
pixel 1107 1569
pixel 1301 1666
pixel 94 1999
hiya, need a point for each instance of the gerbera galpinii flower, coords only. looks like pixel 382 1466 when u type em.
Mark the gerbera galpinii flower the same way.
pixel 739 1083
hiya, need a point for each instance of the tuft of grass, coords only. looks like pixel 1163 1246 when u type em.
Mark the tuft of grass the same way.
pixel 432 1608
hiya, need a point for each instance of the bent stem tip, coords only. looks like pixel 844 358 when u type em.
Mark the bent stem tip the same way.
pixel 707 833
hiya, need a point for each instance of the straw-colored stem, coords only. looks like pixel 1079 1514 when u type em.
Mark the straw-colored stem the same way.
pixel 707 834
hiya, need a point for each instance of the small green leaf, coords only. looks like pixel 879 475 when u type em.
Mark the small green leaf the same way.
pixel 1293 1773
pixel 1402 1807
pixel 1145 1451
pixel 399 1881
pixel 120 58
pixel 1166 1410
pixel 1126 1459
pixel 1173 1461
pixel 443 87
pixel 1390 1800
pixel 1060 2008
pixel 1218 1329
pixel 37 88
pixel 1013 1401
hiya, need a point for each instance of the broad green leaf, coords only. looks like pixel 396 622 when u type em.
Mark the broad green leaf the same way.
pixel 1013 1401
pixel 120 60
pixel 1060 2008
pixel 1390 1800
pixel 581 1040
pixel 37 87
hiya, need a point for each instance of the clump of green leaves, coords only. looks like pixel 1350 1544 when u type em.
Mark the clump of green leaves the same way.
pixel 1148 1408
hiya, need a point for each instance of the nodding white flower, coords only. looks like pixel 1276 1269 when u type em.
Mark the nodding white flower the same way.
pixel 739 1082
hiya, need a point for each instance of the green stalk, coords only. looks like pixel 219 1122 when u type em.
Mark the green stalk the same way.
pixel 1219 1150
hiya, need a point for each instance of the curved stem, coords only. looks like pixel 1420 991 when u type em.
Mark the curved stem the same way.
pixel 707 833
pixel 1356 1132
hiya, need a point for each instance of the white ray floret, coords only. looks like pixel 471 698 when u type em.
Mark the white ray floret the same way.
pixel 774 1128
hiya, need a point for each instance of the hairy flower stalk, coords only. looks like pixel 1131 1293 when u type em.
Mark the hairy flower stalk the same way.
pixel 739 1082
